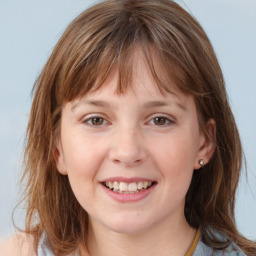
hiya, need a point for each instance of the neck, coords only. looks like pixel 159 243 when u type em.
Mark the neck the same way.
pixel 158 240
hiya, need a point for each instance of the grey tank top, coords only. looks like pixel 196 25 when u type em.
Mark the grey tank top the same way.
pixel 201 250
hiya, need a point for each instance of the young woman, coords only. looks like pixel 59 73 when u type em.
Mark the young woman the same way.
pixel 132 148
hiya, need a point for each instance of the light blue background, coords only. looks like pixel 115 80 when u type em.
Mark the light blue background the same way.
pixel 28 32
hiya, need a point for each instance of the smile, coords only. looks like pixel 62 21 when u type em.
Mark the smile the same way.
pixel 128 188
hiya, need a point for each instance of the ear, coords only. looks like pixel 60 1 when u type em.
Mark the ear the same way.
pixel 207 144
pixel 59 158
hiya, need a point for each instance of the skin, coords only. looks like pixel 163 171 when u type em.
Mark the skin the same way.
pixel 128 141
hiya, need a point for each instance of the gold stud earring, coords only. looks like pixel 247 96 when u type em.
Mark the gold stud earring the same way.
pixel 201 162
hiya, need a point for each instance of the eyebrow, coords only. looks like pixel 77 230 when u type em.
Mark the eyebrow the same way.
pixel 152 104
pixel 104 104
pixel 96 103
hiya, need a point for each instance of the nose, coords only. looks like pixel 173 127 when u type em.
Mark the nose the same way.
pixel 127 147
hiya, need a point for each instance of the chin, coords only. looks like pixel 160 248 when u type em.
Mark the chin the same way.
pixel 128 226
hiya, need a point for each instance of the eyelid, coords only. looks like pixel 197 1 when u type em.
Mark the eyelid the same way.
pixel 89 117
pixel 170 119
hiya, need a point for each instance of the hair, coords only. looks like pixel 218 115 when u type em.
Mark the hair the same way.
pixel 101 38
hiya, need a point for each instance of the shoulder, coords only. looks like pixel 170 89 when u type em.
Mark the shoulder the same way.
pixel 20 244
pixel 231 250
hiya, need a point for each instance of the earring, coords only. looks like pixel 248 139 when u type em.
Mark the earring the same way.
pixel 201 162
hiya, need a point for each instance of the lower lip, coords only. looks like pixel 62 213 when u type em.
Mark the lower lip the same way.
pixel 133 197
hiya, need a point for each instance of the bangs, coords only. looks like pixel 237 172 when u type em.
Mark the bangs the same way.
pixel 89 52
pixel 90 75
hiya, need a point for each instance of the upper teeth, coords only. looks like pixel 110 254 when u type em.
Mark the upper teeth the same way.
pixel 128 187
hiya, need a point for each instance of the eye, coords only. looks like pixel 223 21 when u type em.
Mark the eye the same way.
pixel 95 121
pixel 160 121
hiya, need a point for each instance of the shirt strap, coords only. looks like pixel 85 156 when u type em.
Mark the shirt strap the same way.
pixel 194 244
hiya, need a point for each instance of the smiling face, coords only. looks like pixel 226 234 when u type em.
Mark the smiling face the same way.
pixel 130 158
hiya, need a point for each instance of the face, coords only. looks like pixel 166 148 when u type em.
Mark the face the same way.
pixel 130 158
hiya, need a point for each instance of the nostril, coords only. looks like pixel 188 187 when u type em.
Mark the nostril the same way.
pixel 127 153
pixel 127 162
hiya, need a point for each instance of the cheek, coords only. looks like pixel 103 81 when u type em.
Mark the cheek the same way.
pixel 83 156
pixel 175 160
pixel 176 152
pixel 82 167
pixel 83 159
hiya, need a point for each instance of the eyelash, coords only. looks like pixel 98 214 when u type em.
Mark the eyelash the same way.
pixel 90 119
pixel 167 121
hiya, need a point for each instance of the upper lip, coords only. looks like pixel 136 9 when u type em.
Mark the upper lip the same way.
pixel 126 180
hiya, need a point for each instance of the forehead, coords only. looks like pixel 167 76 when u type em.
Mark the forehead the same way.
pixel 137 69
pixel 141 70
pixel 143 88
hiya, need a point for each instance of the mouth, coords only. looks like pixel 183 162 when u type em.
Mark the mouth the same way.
pixel 128 188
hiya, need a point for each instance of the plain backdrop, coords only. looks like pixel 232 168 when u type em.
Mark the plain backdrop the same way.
pixel 28 31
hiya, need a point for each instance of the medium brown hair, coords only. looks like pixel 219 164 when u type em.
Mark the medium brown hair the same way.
pixel 105 36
